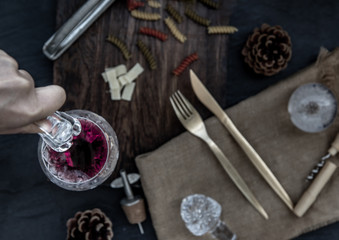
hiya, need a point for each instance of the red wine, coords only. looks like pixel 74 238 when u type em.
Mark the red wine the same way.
pixel 84 159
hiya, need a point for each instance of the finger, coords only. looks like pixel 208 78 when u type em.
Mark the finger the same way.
pixel 31 128
pixel 2 52
pixel 28 81
pixel 8 60
pixel 50 99
pixel 47 100
pixel 25 74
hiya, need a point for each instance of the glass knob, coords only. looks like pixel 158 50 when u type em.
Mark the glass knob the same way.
pixel 201 215
pixel 312 107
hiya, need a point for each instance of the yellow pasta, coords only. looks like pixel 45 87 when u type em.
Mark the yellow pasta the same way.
pixel 221 29
pixel 154 4
pixel 145 15
pixel 174 30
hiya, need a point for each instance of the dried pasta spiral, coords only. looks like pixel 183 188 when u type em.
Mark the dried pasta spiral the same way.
pixel 221 29
pixel 188 2
pixel 154 4
pixel 185 63
pixel 196 18
pixel 154 33
pixel 121 45
pixel 145 15
pixel 174 30
pixel 210 3
pixel 133 4
pixel 147 54
pixel 174 13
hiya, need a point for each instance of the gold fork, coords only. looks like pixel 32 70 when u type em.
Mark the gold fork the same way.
pixel 191 120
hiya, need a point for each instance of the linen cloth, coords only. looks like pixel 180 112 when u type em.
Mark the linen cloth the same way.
pixel 185 165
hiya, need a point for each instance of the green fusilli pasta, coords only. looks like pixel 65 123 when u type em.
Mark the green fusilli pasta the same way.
pixel 147 54
pixel 196 18
pixel 174 13
pixel 121 45
pixel 210 3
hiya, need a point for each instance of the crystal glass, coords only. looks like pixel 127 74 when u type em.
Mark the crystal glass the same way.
pixel 312 107
pixel 79 156
pixel 201 215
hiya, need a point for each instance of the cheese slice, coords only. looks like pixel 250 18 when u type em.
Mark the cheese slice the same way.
pixel 127 92
pixel 133 73
pixel 119 70
pixel 123 80
pixel 115 94
pixel 112 79
pixel 104 76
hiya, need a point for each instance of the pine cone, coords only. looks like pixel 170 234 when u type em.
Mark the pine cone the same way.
pixel 89 225
pixel 268 50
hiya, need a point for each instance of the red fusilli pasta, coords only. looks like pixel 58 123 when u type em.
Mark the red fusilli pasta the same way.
pixel 133 4
pixel 185 63
pixel 154 33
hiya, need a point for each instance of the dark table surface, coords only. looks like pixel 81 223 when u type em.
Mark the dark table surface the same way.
pixel 33 208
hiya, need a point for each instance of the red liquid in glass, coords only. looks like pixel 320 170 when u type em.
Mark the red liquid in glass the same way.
pixel 84 159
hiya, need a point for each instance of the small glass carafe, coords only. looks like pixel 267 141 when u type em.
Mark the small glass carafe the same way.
pixel 78 149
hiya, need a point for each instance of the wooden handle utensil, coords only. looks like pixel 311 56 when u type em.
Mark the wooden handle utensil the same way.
pixel 323 172
pixel 311 194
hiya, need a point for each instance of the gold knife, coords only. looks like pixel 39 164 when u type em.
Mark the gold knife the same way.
pixel 207 99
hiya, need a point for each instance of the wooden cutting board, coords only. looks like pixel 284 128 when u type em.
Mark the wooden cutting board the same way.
pixel 148 121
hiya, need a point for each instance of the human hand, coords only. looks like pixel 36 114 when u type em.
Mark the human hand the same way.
pixel 21 104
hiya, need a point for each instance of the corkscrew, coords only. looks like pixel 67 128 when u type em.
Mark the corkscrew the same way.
pixel 332 151
pixel 320 175
pixel 318 167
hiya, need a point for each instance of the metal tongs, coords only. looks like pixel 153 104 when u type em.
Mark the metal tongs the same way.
pixel 74 27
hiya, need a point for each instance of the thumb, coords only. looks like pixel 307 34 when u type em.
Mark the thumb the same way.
pixel 50 98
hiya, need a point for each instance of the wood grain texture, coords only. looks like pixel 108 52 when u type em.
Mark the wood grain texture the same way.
pixel 148 121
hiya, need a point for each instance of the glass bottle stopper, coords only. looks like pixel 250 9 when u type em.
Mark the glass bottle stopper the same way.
pixel 58 130
pixel 312 107
pixel 201 215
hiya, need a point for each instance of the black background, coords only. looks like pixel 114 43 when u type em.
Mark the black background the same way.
pixel 33 208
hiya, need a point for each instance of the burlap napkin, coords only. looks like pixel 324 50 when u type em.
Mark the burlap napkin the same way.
pixel 185 165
